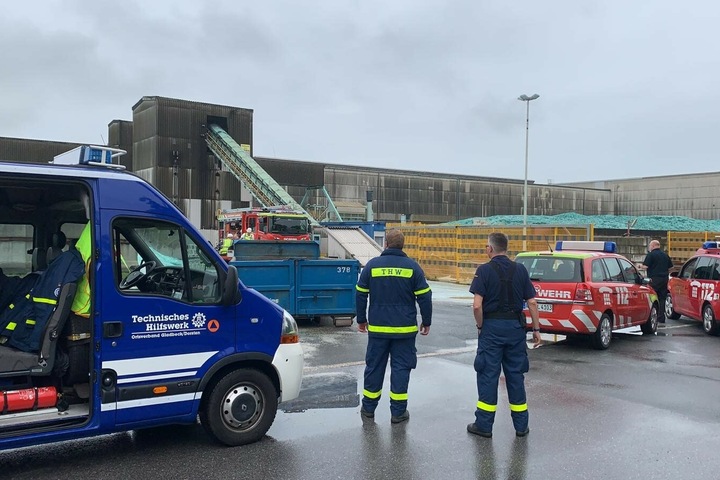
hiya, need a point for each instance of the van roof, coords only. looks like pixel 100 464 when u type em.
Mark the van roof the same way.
pixel 74 171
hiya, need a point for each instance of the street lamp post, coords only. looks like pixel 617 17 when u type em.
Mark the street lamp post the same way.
pixel 527 100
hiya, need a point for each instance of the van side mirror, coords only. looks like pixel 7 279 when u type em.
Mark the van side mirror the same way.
pixel 674 274
pixel 231 293
pixel 645 281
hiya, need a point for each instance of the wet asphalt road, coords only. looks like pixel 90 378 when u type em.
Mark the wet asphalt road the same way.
pixel 646 408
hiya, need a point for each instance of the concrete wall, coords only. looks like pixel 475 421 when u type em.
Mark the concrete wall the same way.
pixel 436 197
pixel 694 195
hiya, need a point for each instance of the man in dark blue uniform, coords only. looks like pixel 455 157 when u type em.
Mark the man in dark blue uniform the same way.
pixel 394 283
pixel 500 288
pixel 658 265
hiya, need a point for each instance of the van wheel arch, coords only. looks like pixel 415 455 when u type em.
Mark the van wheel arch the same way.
pixel 213 376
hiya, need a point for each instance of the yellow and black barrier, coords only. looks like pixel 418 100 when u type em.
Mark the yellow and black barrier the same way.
pixel 683 245
pixel 452 253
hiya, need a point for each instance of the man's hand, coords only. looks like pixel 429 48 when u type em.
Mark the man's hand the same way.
pixel 536 339
pixel 362 327
pixel 424 329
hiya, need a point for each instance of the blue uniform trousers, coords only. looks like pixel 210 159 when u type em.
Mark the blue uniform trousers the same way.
pixel 501 343
pixel 403 358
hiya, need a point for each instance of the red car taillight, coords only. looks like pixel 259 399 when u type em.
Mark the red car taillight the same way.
pixel 583 295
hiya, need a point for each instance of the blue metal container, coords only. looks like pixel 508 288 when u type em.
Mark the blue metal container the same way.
pixel 326 287
pixel 275 250
pixel 306 288
pixel 273 278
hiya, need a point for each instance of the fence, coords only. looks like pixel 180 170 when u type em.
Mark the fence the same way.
pixel 452 253
pixel 683 245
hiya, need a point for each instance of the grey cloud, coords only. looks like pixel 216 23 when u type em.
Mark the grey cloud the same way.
pixel 626 89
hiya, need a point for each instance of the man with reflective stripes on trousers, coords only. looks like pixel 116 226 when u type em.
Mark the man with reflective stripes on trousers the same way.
pixel 500 287
pixel 394 283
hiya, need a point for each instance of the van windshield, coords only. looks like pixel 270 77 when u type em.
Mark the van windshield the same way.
pixel 552 269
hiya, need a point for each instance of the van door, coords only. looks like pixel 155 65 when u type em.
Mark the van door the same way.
pixel 160 314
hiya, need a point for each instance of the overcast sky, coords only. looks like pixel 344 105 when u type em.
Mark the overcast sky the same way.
pixel 627 88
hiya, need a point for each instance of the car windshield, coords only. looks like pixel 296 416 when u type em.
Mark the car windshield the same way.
pixel 552 269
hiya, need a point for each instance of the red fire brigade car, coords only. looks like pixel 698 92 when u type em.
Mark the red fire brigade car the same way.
pixel 695 290
pixel 585 288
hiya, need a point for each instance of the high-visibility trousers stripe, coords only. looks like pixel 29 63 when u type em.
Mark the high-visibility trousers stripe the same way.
pixel 518 408
pixel 398 396
pixel 379 329
pixel 372 395
pixel 30 322
pixel 486 407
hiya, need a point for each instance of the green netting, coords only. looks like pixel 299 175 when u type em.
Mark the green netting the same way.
pixel 620 222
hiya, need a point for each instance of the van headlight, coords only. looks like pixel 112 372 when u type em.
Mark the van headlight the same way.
pixel 290 333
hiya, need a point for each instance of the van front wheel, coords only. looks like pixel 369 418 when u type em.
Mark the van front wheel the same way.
pixel 241 407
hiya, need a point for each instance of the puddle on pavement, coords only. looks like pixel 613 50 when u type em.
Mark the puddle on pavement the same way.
pixel 325 390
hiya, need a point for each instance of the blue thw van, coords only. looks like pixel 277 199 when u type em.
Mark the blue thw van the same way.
pixel 116 314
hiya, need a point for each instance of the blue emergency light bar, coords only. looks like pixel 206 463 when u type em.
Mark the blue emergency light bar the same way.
pixel 94 155
pixel 592 246
pixel 710 245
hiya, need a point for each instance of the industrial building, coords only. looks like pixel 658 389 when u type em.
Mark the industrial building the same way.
pixel 165 141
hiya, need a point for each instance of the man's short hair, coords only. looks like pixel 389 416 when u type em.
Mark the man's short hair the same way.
pixel 394 238
pixel 498 241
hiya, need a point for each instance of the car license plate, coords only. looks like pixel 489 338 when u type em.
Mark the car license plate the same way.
pixel 545 307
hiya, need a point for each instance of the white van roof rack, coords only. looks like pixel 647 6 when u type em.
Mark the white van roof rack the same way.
pixel 93 155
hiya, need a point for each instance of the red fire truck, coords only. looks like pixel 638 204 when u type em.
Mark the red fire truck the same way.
pixel 272 223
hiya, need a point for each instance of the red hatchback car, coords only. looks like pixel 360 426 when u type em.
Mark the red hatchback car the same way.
pixel 586 288
pixel 695 290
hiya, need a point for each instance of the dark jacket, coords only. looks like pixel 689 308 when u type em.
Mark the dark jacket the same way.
pixel 25 323
pixel 488 284
pixel 658 265
pixel 394 283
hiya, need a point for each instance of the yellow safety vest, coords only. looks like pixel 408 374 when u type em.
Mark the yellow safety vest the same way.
pixel 227 243
pixel 81 303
